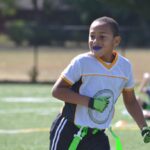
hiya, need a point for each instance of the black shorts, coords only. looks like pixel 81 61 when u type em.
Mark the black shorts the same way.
pixel 62 133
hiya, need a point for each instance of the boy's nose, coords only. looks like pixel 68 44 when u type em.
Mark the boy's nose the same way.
pixel 96 41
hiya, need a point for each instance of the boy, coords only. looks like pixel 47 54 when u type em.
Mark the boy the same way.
pixel 144 86
pixel 90 86
pixel 145 89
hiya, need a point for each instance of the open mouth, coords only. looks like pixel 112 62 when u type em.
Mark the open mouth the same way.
pixel 97 48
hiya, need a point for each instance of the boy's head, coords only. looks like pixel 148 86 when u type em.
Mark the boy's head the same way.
pixel 114 26
pixel 103 36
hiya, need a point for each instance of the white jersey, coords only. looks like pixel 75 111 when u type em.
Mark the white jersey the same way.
pixel 98 79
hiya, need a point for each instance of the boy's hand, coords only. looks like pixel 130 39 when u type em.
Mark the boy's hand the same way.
pixel 146 134
pixel 99 103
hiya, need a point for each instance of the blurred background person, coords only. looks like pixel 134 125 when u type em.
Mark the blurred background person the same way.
pixel 144 88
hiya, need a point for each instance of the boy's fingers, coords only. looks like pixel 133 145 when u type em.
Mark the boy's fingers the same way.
pixel 146 134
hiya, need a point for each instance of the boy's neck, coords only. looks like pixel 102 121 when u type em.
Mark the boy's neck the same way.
pixel 109 59
pixel 105 59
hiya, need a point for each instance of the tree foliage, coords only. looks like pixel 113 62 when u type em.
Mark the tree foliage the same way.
pixel 124 10
pixel 7 7
pixel 131 14
pixel 140 7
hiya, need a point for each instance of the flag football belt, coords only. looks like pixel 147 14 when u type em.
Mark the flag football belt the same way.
pixel 83 131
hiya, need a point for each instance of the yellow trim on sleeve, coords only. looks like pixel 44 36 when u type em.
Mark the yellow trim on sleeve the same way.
pixel 66 80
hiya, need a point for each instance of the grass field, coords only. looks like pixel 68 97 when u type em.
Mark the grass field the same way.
pixel 16 63
pixel 27 111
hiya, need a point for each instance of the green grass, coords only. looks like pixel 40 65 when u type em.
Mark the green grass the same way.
pixel 23 115
pixel 31 115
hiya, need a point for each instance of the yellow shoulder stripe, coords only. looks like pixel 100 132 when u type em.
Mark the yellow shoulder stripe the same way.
pixel 66 80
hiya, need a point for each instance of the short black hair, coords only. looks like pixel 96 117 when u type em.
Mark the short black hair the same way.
pixel 111 22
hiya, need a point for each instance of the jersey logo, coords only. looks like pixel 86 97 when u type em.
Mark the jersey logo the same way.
pixel 101 118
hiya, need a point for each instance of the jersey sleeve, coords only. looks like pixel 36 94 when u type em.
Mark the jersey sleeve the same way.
pixel 130 82
pixel 72 73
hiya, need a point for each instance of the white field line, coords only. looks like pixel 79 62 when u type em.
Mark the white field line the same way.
pixel 29 110
pixel 29 100
pixel 19 131
pixel 128 127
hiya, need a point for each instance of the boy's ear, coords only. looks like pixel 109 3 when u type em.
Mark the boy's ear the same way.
pixel 117 41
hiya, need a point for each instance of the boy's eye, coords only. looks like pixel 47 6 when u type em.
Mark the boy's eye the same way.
pixel 92 36
pixel 102 37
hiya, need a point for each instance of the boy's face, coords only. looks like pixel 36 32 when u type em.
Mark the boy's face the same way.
pixel 101 39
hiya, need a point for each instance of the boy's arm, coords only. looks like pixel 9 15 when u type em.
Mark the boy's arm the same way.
pixel 134 108
pixel 62 90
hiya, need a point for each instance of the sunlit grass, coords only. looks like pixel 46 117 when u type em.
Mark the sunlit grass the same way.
pixel 16 63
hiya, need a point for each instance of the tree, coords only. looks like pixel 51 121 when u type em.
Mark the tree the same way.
pixel 93 8
pixel 140 7
pixel 131 14
pixel 8 7
pixel 88 9
pixel 34 71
